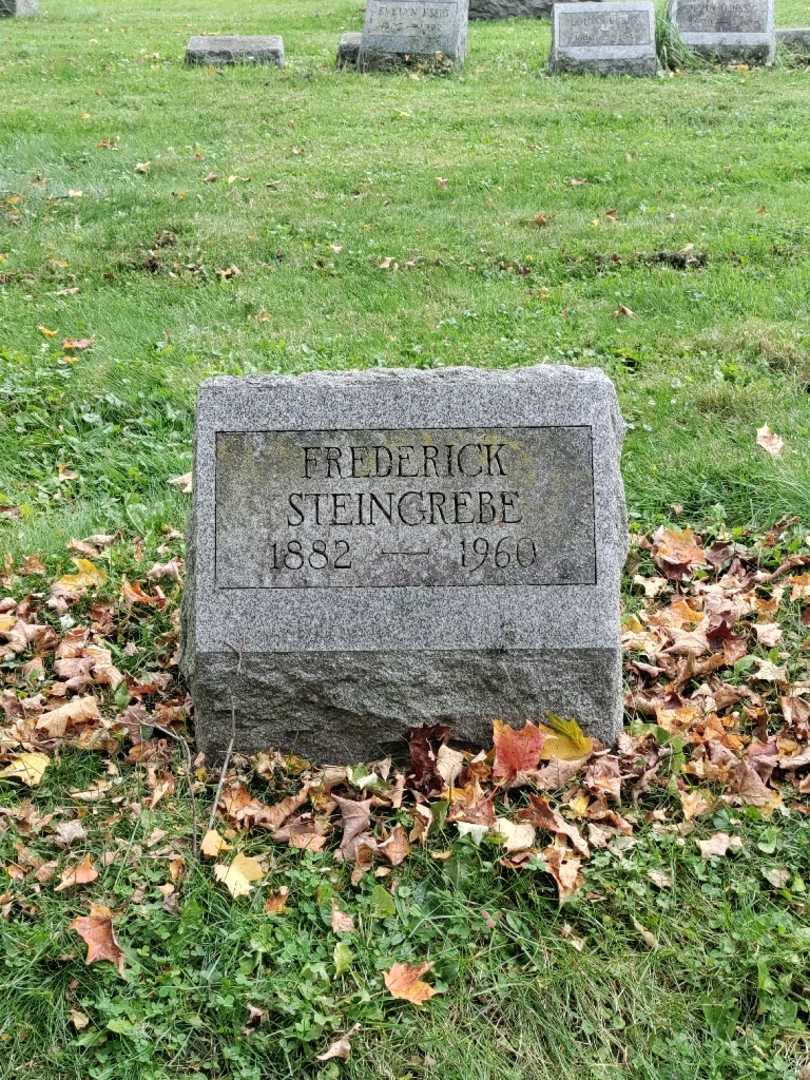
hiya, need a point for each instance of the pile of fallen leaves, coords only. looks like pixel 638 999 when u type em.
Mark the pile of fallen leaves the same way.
pixel 718 705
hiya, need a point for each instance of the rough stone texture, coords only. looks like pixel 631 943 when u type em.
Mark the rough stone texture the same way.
pixel 235 50
pixel 604 38
pixel 796 38
pixel 509 9
pixel 338 668
pixel 349 49
pixel 740 30
pixel 18 7
pixel 432 32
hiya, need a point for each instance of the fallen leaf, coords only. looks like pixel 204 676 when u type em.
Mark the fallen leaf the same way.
pixel 768 634
pixel 778 876
pixel 541 814
pixel 81 874
pixel 340 1048
pixel 79 711
pixel 516 750
pixel 29 767
pixel 239 875
pixel 89 576
pixel 77 344
pixel 184 483
pixel 624 312
pixel 276 903
pixel 79 1019
pixel 770 442
pixel 677 552
pixel 396 848
pixel 405 981
pixel 565 740
pixel 718 845
pixel 97 931
pixel 564 867
pixel 515 836
pixel 341 922
pixel 213 844
pixel 660 878
pixel 449 763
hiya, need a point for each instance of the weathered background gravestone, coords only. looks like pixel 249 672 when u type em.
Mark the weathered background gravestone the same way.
pixel 428 31
pixel 795 38
pixel 729 29
pixel 18 7
pixel 376 550
pixel 218 50
pixel 604 38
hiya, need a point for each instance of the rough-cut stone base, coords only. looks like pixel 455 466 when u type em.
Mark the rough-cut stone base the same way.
pixel 308 703
pixel 509 9
pixel 235 50
pixel 18 7
pixel 564 65
pixel 795 38
pixel 373 60
pixel 349 49
pixel 762 53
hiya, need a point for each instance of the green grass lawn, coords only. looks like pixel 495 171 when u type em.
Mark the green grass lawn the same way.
pixel 194 222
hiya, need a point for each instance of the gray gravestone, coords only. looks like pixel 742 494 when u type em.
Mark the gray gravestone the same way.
pixel 739 30
pixel 604 38
pixel 18 7
pixel 795 38
pixel 432 32
pixel 235 50
pixel 375 550
pixel 349 49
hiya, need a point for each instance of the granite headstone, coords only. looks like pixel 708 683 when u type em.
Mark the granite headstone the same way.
pixel 429 32
pixel 220 50
pixel 371 551
pixel 739 30
pixel 604 38
pixel 18 7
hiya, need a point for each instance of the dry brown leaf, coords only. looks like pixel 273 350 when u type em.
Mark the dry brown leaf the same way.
pixel 81 874
pixel 770 442
pixel 79 711
pixel 340 1048
pixel 99 936
pixel 404 981
pixel 516 836
pixel 276 903
pixel 718 845
pixel 396 848
pixel 564 867
pixel 341 922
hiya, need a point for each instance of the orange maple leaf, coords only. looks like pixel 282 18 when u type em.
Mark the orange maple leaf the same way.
pixel 404 981
pixel 516 751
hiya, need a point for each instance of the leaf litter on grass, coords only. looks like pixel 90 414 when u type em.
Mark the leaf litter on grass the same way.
pixel 718 706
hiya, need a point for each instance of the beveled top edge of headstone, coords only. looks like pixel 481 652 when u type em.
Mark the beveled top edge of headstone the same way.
pixel 585 6
pixel 360 377
pixel 263 40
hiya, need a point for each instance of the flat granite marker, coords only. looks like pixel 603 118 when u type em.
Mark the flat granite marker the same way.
pixel 18 7
pixel 235 50
pixel 740 30
pixel 604 38
pixel 422 31
pixel 371 551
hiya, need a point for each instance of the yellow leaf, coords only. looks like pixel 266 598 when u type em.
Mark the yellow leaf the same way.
pixel 213 843
pixel 565 741
pixel 46 331
pixel 88 576
pixel 29 767
pixel 238 877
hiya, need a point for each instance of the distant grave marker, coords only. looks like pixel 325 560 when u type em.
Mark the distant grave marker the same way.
pixel 433 32
pixel 220 50
pixel 604 38
pixel 377 550
pixel 741 30
pixel 18 7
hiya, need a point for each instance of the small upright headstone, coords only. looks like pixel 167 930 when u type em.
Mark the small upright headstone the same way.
pixel 371 551
pixel 739 30
pixel 430 32
pixel 18 7
pixel 795 38
pixel 235 50
pixel 604 38
pixel 349 49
